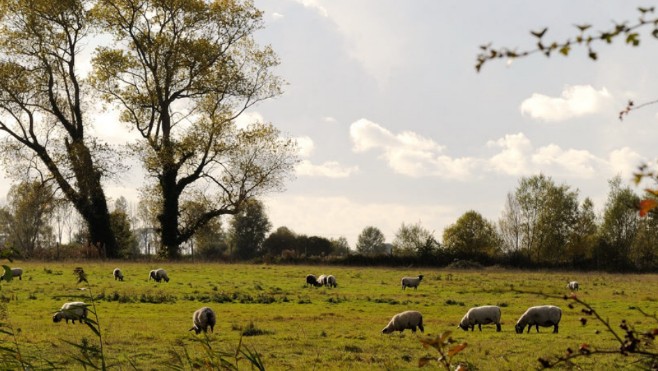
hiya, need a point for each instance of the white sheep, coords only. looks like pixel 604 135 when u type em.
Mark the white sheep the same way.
pixel 15 272
pixel 411 282
pixel 483 315
pixel 73 311
pixel 543 315
pixel 322 280
pixel 573 286
pixel 330 280
pixel 406 320
pixel 118 275
pixel 202 319
pixel 159 275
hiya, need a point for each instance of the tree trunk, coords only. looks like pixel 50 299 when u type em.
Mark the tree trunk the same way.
pixel 169 217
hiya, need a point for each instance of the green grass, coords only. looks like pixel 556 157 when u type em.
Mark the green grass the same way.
pixel 145 324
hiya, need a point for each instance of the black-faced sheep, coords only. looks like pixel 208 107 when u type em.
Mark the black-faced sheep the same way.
pixel 159 275
pixel 118 275
pixel 543 315
pixel 15 272
pixel 406 320
pixel 411 282
pixel 330 280
pixel 202 319
pixel 73 311
pixel 573 286
pixel 312 280
pixel 479 316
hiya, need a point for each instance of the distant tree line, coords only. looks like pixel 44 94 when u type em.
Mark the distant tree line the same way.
pixel 542 224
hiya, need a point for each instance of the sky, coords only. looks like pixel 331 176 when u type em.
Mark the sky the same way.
pixel 395 125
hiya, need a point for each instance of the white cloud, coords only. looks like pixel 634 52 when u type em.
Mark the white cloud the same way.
pixel 276 16
pixel 305 146
pixel 328 169
pixel 512 158
pixel 408 153
pixel 625 161
pixel 248 118
pixel 577 100
pixel 314 5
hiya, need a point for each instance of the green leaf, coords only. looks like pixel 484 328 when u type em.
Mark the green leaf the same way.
pixel 7 276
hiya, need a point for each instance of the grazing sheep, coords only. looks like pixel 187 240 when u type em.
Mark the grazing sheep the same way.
pixel 202 319
pixel 118 275
pixel 15 272
pixel 573 285
pixel 483 315
pixel 312 280
pixel 330 280
pixel 73 311
pixel 411 282
pixel 322 280
pixel 159 275
pixel 543 315
pixel 406 320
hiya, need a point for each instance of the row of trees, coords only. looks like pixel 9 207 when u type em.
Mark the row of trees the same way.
pixel 542 223
pixel 178 73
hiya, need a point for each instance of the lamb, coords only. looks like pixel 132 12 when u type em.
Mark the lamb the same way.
pixel 118 275
pixel 543 315
pixel 73 311
pixel 406 320
pixel 16 272
pixel 330 280
pixel 483 315
pixel 202 319
pixel 573 285
pixel 411 282
pixel 312 280
pixel 159 275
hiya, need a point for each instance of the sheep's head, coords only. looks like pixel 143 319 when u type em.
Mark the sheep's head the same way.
pixel 463 327
pixel 387 330
pixel 57 317
pixel 519 328
pixel 196 329
pixel 420 277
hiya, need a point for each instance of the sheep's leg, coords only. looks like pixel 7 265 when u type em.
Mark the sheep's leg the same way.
pixel 479 327
pixel 497 327
pixel 555 329
pixel 537 327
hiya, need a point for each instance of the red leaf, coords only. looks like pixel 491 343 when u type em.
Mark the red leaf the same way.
pixel 646 206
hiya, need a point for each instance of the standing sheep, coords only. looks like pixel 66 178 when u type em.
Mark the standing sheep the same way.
pixel 331 281
pixel 411 282
pixel 159 275
pixel 406 320
pixel 573 286
pixel 15 272
pixel 73 311
pixel 312 280
pixel 322 280
pixel 202 319
pixel 543 315
pixel 483 315
pixel 118 275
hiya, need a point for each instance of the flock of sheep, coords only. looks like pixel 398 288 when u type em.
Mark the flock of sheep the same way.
pixel 204 318
pixel 542 315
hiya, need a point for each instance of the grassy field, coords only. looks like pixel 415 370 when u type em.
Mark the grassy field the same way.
pixel 145 324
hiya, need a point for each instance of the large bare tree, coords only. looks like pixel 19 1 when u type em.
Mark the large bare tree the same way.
pixel 181 72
